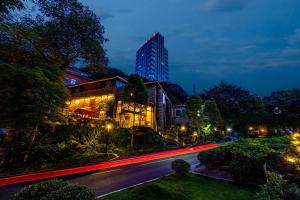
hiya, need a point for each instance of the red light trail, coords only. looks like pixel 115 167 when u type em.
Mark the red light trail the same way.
pixel 104 165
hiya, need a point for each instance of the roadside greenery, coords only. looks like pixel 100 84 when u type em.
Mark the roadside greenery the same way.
pixel 205 120
pixel 277 188
pixel 181 167
pixel 54 190
pixel 73 145
pixel 246 158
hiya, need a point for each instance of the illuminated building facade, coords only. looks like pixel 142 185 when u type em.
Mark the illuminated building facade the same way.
pixel 152 59
pixel 101 99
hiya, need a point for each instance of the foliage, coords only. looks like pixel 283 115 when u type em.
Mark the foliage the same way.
pixel 61 33
pixel 277 188
pixel 284 108
pixel 212 113
pixel 69 143
pixel 54 190
pixel 109 72
pixel 30 97
pixel 146 137
pixel 238 107
pixel 204 117
pixel 215 158
pixel 247 157
pixel 135 90
pixel 136 93
pixel 191 187
pixel 6 6
pixel 175 92
pixel 180 167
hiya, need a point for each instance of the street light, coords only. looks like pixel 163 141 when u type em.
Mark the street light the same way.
pixel 182 128
pixel 251 128
pixel 229 130
pixel 108 127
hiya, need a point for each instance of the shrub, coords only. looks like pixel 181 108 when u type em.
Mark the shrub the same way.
pixel 247 157
pixel 180 167
pixel 54 190
pixel 278 189
pixel 215 158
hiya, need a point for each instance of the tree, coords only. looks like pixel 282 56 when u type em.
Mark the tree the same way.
pixel 135 93
pixel 62 33
pixel 238 107
pixel 175 92
pixel 29 97
pixel 212 113
pixel 284 108
pixel 194 109
pixel 6 6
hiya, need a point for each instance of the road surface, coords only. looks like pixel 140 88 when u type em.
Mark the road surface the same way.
pixel 113 179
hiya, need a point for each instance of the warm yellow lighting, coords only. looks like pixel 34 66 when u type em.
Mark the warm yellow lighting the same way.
pixel 109 127
pixel 182 128
pixel 262 130
pixel 195 134
pixel 215 129
pixel 290 159
pixel 298 149
pixel 251 128
pixel 77 101
pixel 295 136
pixel 296 142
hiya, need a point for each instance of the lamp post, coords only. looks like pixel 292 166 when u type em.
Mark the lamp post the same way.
pixel 108 128
pixel 182 130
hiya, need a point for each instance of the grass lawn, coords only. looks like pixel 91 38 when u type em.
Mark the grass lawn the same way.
pixel 192 187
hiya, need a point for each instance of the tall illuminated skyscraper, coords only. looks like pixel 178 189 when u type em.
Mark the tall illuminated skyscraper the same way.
pixel 152 59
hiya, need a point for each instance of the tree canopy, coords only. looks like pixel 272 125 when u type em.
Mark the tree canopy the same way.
pixel 63 32
pixel 238 107
pixel 6 6
pixel 135 90
pixel 284 108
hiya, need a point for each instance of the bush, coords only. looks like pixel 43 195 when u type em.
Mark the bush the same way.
pixel 278 189
pixel 215 158
pixel 247 157
pixel 180 167
pixel 54 190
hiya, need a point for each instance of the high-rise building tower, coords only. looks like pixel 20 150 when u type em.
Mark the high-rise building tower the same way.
pixel 152 59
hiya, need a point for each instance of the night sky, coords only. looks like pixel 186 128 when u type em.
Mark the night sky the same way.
pixel 251 43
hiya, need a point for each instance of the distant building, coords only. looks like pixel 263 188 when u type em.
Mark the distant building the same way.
pixel 152 59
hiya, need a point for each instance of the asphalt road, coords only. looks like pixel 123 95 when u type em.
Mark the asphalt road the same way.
pixel 107 181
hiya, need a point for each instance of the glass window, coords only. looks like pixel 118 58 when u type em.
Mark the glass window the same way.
pixel 73 81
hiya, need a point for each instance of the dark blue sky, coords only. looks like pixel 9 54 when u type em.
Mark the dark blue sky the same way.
pixel 252 43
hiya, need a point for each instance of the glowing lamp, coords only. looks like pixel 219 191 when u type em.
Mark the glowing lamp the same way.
pixel 109 127
pixel 291 160
pixel 182 128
